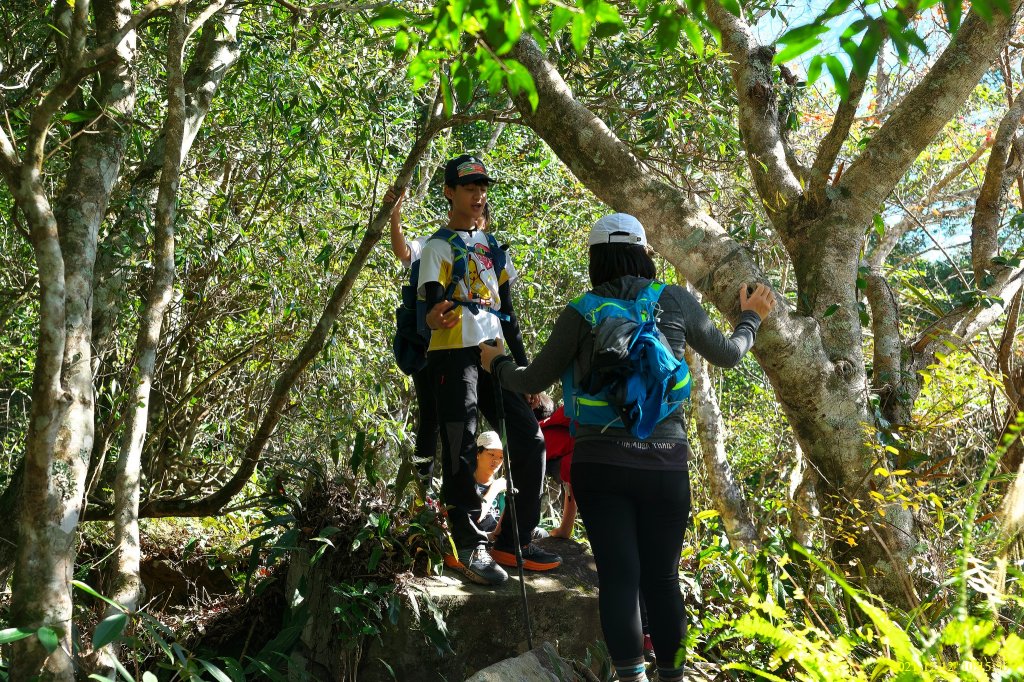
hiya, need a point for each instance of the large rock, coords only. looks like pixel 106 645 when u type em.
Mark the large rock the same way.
pixel 541 664
pixel 486 625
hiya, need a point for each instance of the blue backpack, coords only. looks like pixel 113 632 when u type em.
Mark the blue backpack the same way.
pixel 412 335
pixel 635 380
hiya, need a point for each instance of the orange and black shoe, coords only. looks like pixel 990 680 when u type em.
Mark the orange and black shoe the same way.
pixel 477 566
pixel 534 558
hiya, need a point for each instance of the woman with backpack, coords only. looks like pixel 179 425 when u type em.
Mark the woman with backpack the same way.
pixel 633 492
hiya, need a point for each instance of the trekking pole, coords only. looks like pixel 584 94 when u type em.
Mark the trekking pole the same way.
pixel 510 487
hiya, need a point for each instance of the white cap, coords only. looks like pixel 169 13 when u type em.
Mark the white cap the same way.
pixel 605 229
pixel 488 440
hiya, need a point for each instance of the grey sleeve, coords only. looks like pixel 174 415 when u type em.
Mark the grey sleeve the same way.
pixel 708 341
pixel 552 360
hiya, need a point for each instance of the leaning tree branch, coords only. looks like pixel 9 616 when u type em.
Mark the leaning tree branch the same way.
pixel 213 504
pixel 699 248
pixel 985 225
pixel 925 111
pixel 962 324
pixel 751 67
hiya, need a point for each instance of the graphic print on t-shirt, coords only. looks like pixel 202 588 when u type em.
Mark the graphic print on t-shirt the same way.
pixel 480 285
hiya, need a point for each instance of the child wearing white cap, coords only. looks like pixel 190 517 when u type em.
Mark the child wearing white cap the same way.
pixel 491 490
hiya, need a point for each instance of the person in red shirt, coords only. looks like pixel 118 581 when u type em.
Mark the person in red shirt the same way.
pixel 559 442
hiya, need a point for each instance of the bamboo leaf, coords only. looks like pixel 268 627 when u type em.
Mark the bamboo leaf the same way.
pixel 14 634
pixel 48 638
pixel 109 629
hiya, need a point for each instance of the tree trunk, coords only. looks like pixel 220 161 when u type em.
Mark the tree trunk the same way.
pixel 61 430
pixel 726 493
pixel 803 483
pixel 127 589
pixel 817 369
pixel 41 572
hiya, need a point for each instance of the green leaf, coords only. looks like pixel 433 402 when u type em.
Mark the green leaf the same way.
pixel 109 629
pixel 795 50
pixel 389 16
pixel 48 638
pixel 216 672
pixel 560 18
pixel 814 68
pixel 693 34
pixel 519 80
pixel 984 9
pixel 375 557
pixel 733 6
pixel 14 634
pixel 864 55
pixel 838 72
pixel 831 310
pixel 402 42
pixel 802 34
pixel 462 82
pixel 879 225
pixel 234 669
pixel 446 96
pixel 79 116
pixel 954 12
pixel 88 590
pixel 581 25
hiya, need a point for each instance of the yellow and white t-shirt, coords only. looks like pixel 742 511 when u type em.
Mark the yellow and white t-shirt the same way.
pixel 479 285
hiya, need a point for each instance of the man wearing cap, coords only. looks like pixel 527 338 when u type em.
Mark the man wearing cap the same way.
pixel 480 310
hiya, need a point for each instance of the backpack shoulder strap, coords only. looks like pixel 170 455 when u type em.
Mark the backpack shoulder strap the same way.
pixel 651 293
pixel 498 255
pixel 589 306
pixel 459 256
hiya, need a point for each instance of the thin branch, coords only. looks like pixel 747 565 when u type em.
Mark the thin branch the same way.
pixel 198 22
pixel 9 160
pixel 985 225
pixel 895 233
pixel 833 141
pixel 963 277
pixel 327 6
pixel 1006 346
pixel 314 344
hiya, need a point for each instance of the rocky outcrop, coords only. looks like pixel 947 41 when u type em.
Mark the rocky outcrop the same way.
pixel 486 625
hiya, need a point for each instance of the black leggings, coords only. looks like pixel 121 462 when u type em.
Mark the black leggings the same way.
pixel 426 424
pixel 635 520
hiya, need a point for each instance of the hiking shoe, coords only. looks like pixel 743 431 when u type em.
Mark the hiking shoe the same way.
pixel 648 649
pixel 476 565
pixel 534 558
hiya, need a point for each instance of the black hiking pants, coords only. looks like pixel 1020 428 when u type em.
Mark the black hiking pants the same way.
pixel 464 392
pixel 635 520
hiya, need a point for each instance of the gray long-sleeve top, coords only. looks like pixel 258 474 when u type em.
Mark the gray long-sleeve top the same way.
pixel 681 320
